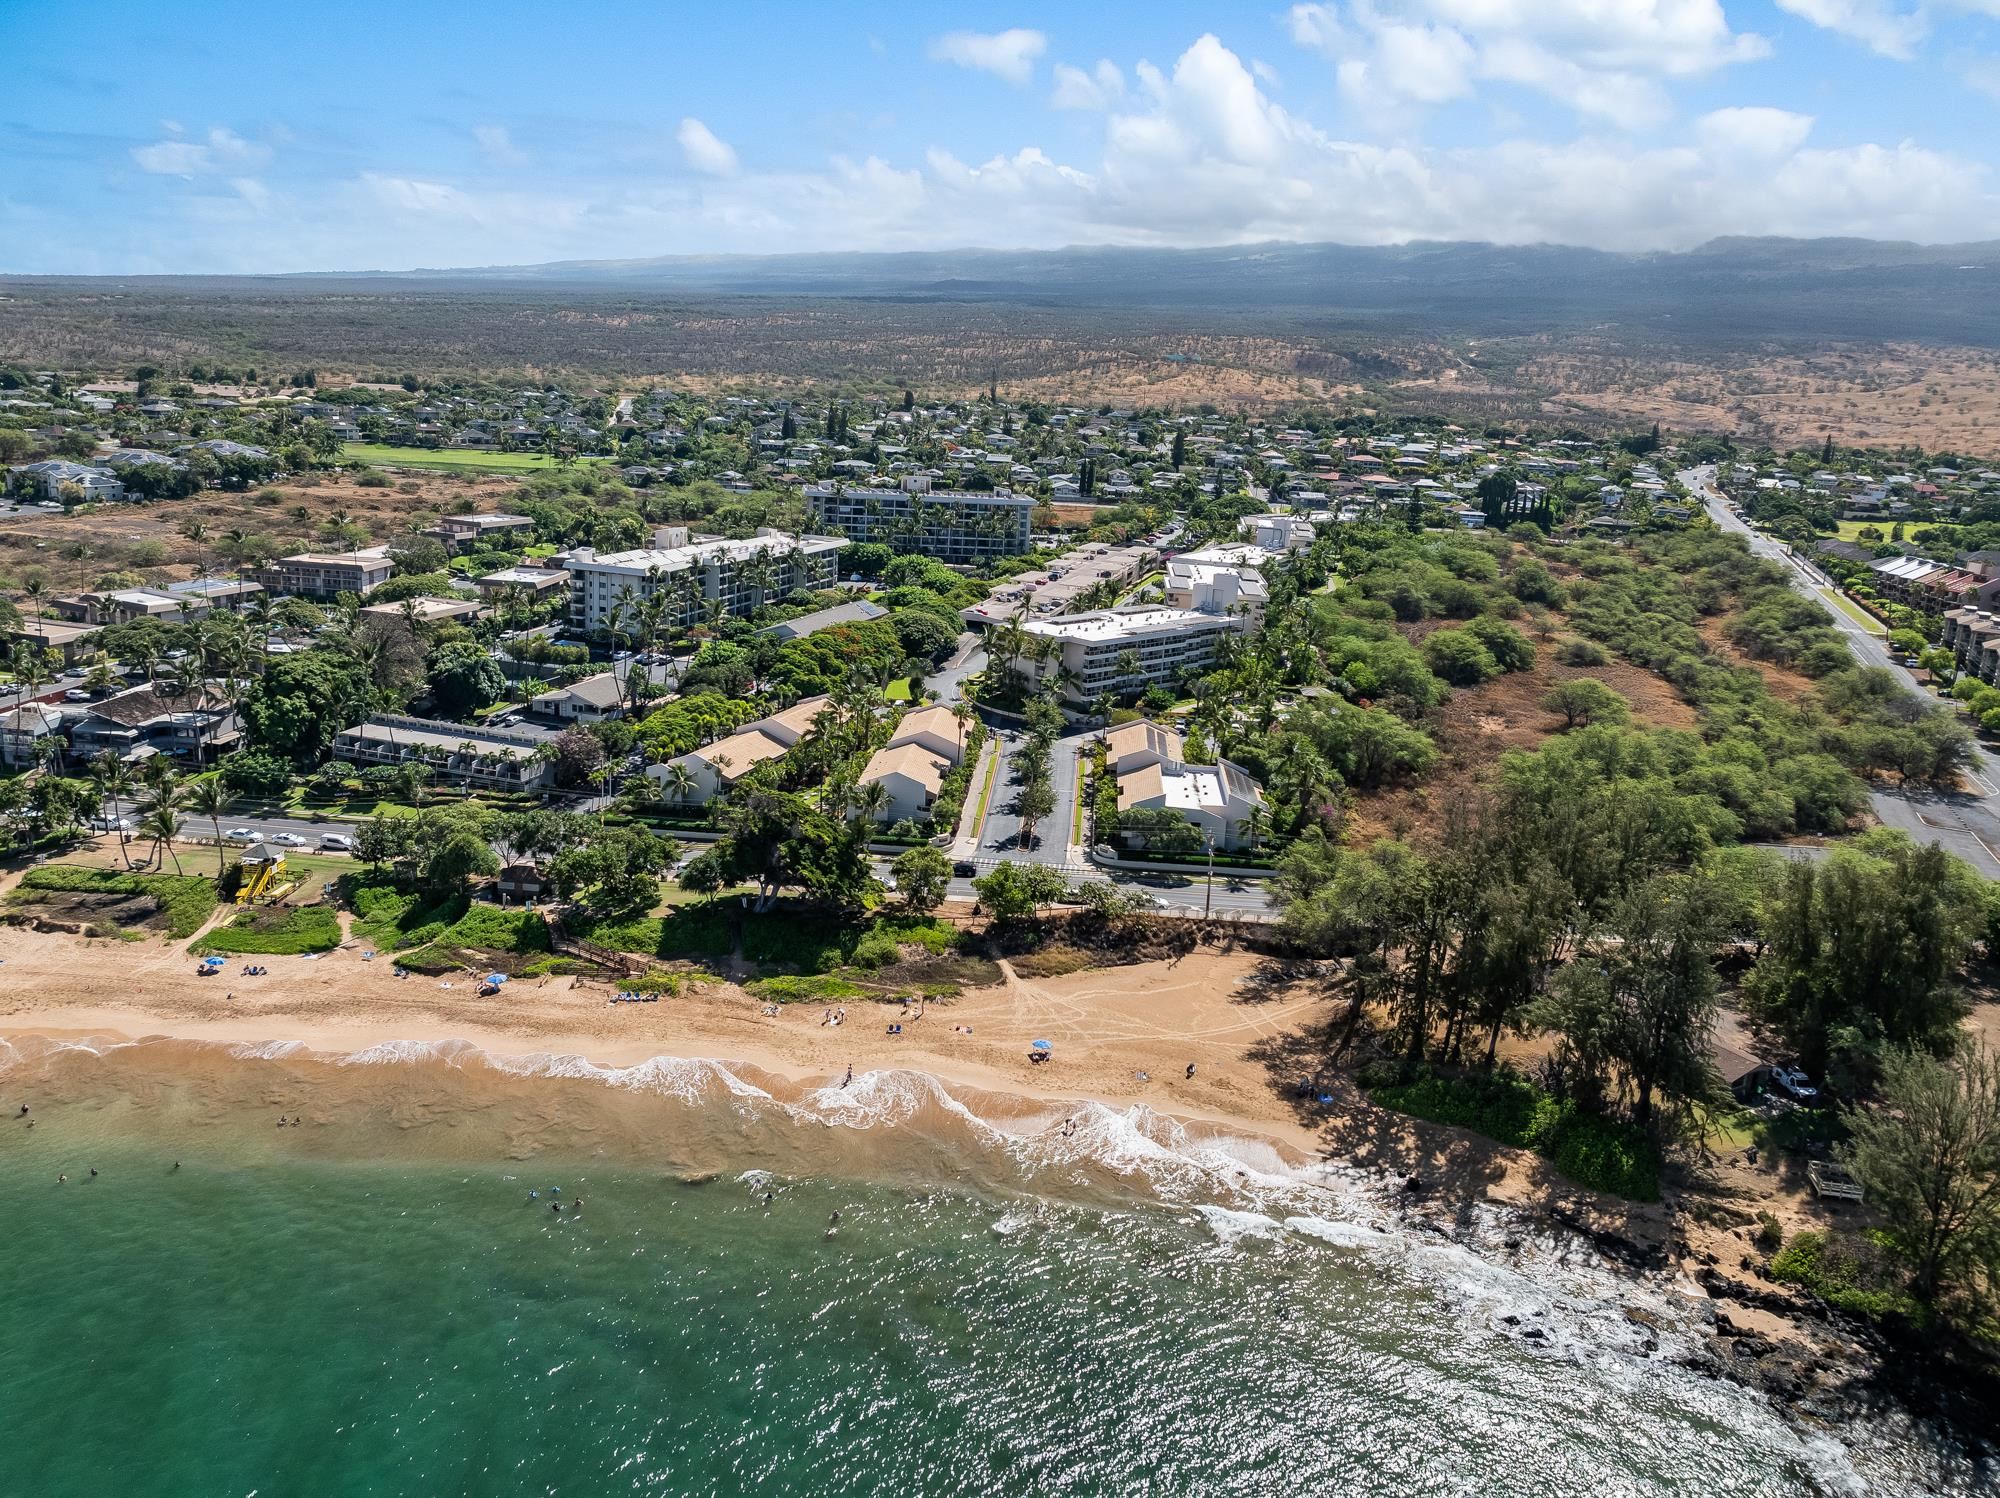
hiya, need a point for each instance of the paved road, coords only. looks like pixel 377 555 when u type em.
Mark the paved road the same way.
pixel 1964 823
pixel 948 681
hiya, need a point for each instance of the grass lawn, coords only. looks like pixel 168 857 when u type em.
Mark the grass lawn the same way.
pixel 447 461
pixel 1855 612
pixel 185 900
pixel 1850 530
pixel 898 690
pixel 986 791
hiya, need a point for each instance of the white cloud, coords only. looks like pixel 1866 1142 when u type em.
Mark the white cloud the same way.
pixel 1197 153
pixel 1604 58
pixel 1006 54
pixel 1753 131
pixel 1100 88
pixel 705 152
pixel 221 151
pixel 1877 24
pixel 495 141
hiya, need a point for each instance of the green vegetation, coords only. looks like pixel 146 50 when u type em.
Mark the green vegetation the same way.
pixel 276 932
pixel 1848 1271
pixel 399 920
pixel 816 989
pixel 1592 1151
pixel 447 461
pixel 186 901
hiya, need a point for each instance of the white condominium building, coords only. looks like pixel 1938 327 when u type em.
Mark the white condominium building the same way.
pixel 1218 580
pixel 949 525
pixel 739 576
pixel 1125 650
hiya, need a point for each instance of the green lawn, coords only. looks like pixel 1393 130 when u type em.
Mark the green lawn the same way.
pixel 898 690
pixel 1850 530
pixel 449 461
pixel 1855 612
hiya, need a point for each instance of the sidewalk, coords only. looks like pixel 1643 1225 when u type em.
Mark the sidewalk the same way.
pixel 966 843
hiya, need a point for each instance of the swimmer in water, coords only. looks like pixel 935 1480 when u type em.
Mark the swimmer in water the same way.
pixel 832 1225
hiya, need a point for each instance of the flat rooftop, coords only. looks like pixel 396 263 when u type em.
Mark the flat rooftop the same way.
pixel 1120 624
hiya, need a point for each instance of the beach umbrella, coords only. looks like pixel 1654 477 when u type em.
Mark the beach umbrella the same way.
pixel 496 977
pixel 1041 1045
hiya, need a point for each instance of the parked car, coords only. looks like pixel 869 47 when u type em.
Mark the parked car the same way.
pixel 288 840
pixel 1794 1084
pixel 335 842
pixel 111 824
pixel 76 694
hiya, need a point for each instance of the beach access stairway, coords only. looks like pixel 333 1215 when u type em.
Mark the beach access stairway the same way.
pixel 562 942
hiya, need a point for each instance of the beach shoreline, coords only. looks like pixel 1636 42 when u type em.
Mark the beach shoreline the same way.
pixel 1122 1040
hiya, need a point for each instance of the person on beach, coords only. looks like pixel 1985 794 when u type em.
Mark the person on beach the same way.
pixel 1190 1071
pixel 24 1111
pixel 850 1074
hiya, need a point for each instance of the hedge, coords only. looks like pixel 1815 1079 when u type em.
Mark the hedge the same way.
pixel 305 928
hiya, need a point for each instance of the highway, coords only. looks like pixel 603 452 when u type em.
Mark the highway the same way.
pixel 1966 823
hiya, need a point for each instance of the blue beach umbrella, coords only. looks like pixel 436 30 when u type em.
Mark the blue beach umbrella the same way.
pixel 1041 1045
pixel 496 977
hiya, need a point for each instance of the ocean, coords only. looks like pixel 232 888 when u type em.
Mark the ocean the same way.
pixel 887 1288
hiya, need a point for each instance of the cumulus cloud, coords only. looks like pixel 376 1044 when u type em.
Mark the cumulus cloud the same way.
pixel 1194 153
pixel 221 150
pixel 704 150
pixel 1753 131
pixel 1100 88
pixel 1877 24
pixel 1009 54
pixel 1604 58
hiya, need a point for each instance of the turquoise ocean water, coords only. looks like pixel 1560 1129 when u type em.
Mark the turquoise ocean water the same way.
pixel 288 1313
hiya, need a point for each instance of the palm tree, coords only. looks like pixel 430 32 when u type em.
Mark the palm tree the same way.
pixel 36 591
pixel 872 800
pixel 964 712
pixel 680 780
pixel 209 797
pixel 160 824
pixel 79 553
pixel 114 779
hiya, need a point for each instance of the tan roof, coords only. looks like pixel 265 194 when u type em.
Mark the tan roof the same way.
pixel 913 761
pixel 799 716
pixel 1139 785
pixel 934 719
pixel 742 750
pixel 1127 738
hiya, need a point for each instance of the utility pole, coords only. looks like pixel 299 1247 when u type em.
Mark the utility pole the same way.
pixel 1208 895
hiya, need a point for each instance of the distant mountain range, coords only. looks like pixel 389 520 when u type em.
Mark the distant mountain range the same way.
pixel 1734 289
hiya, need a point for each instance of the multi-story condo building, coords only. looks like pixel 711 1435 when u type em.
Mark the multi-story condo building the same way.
pixel 468 532
pixel 324 576
pixel 948 524
pixel 1124 650
pixel 696 576
pixel 501 758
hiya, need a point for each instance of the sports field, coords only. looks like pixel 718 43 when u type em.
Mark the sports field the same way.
pixel 450 461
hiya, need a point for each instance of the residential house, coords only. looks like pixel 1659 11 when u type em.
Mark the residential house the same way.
pixel 858 612
pixel 460 533
pixel 913 773
pixel 1136 745
pixel 52 477
pixel 591 700
pixel 200 725
pixel 22 728
pixel 935 728
pixel 716 767
pixel 536 582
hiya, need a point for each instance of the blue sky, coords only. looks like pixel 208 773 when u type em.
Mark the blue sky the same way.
pixel 226 137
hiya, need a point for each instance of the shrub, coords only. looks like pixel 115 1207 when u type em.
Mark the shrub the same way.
pixel 1769 1234
pixel 1601 1153
pixel 1848 1272
pixel 275 933
pixel 876 949
pixel 1582 653
pixel 186 900
pixel 818 988
pixel 1459 657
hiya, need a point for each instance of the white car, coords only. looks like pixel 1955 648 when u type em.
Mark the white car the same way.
pixel 288 840
pixel 76 694
pixel 335 842
pixel 239 835
pixel 1794 1083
